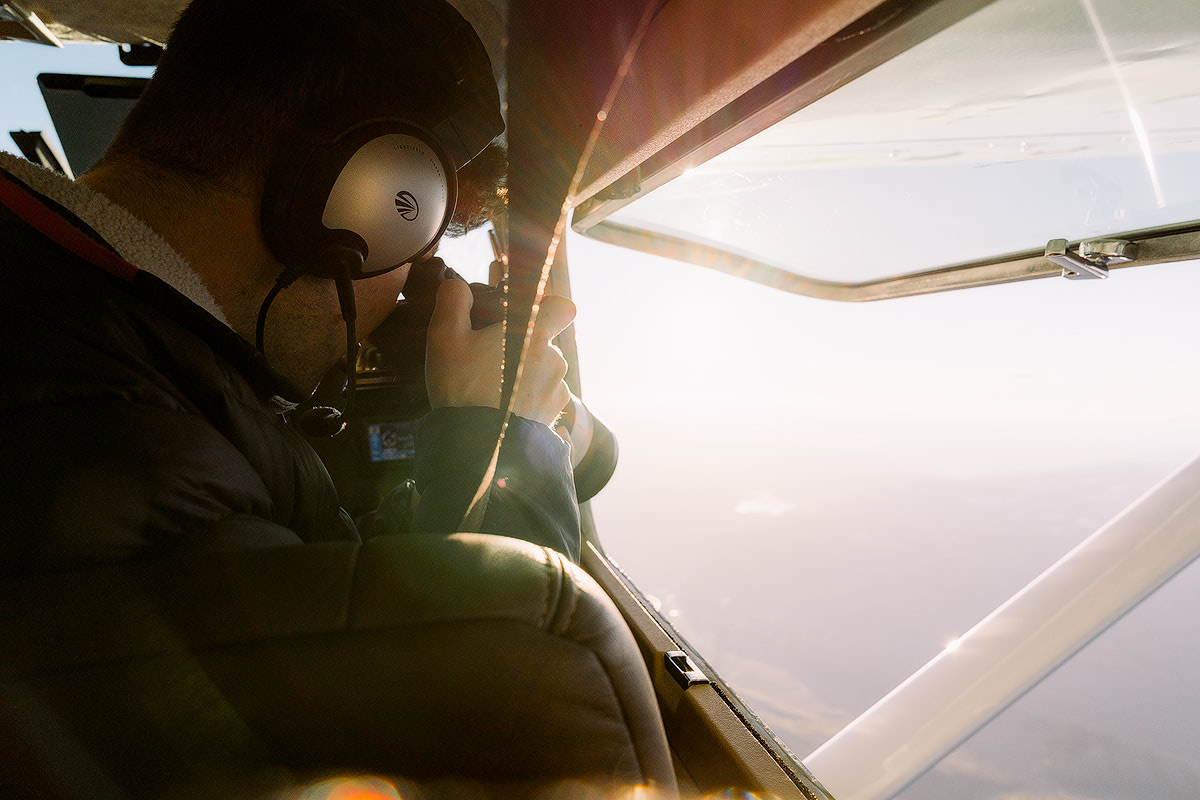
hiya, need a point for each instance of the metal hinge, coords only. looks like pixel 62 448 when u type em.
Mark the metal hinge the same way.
pixel 681 668
pixel 628 185
pixel 1093 257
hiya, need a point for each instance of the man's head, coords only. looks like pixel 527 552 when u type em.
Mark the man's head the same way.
pixel 239 87
pixel 240 83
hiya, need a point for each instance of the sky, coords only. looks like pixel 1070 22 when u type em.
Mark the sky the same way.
pixel 823 495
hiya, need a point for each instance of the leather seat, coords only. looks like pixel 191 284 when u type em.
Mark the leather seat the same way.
pixel 465 658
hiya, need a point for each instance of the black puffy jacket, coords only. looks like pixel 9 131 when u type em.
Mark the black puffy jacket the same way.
pixel 135 424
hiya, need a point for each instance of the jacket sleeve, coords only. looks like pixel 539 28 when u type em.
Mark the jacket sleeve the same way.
pixel 531 496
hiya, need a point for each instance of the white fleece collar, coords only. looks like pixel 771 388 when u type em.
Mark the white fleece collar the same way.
pixel 129 236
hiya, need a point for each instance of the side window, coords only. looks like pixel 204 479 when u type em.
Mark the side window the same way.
pixel 22 107
pixel 822 496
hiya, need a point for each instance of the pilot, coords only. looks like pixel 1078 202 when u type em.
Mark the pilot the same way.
pixel 164 315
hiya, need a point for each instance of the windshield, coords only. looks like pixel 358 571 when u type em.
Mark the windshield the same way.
pixel 1064 118
pixel 822 496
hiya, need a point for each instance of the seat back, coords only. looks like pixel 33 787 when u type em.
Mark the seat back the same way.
pixel 465 658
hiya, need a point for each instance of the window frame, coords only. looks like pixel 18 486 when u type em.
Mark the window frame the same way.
pixel 890 29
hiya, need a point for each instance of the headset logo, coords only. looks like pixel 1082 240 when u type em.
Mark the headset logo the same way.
pixel 406 204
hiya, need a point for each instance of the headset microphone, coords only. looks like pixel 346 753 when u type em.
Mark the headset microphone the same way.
pixel 327 421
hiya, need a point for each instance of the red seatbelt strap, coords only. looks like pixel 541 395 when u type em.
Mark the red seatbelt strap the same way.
pixel 54 227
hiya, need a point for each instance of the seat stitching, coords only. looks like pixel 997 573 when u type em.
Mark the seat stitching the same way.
pixel 574 595
pixel 553 585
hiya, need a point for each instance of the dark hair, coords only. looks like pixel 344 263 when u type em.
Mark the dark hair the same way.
pixel 482 191
pixel 239 79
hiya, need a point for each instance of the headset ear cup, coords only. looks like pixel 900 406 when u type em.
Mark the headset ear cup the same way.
pixel 396 190
pixel 384 186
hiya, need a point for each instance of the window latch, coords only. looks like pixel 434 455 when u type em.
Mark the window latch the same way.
pixel 681 668
pixel 1093 257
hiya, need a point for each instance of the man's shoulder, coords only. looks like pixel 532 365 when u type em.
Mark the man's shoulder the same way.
pixel 63 316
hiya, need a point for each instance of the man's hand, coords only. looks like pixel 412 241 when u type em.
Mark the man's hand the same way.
pixel 462 366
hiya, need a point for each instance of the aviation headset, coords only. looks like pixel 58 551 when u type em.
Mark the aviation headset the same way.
pixel 371 197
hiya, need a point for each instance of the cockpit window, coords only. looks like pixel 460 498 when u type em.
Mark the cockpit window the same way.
pixel 1065 119
pixel 23 103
